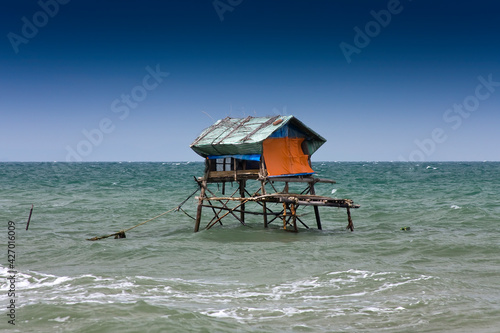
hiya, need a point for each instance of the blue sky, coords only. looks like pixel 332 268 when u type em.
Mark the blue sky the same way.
pixel 139 80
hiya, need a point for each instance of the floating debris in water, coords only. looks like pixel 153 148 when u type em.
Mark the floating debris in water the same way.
pixel 405 228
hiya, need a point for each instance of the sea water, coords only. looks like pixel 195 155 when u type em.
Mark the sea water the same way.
pixel 440 274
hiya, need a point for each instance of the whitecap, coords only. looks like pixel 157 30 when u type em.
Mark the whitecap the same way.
pixel 455 207
pixel 59 319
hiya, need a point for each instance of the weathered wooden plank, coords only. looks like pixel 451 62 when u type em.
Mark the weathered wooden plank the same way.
pixel 267 123
pixel 269 212
pixel 231 173
pixel 301 180
pixel 238 125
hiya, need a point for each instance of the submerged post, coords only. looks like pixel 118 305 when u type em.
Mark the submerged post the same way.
pixel 262 176
pixel 316 209
pixel 29 218
pixel 200 206
pixel 264 206
pixel 242 195
pixel 203 189
pixel 350 225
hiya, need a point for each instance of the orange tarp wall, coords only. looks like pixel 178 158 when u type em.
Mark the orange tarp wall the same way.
pixel 284 156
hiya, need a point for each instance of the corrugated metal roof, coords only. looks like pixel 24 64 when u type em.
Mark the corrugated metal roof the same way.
pixel 231 136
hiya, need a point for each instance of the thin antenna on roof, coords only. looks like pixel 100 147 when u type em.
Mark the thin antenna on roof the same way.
pixel 276 111
pixel 208 115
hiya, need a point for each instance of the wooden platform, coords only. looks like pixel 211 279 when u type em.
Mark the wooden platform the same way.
pixel 290 203
pixel 298 199
pixel 270 193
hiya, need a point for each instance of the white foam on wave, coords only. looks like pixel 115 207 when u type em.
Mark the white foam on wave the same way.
pixel 349 292
pixel 246 314
pixel 455 207
pixel 59 319
pixel 327 295
pixel 379 310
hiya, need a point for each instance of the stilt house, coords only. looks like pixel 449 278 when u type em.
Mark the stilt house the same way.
pixel 266 149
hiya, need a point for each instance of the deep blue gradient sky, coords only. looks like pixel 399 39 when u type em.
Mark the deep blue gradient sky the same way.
pixel 393 101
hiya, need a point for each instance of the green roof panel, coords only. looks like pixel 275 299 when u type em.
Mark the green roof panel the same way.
pixel 230 136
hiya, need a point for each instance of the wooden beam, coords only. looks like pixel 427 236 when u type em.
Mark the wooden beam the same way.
pixel 231 174
pixel 210 129
pixel 270 121
pixel 246 211
pixel 230 211
pixel 238 125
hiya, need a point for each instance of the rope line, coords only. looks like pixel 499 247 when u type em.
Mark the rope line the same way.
pixel 121 233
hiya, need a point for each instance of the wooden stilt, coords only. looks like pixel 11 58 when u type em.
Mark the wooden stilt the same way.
pixel 242 195
pixel 316 209
pixel 262 176
pixel 237 172
pixel 264 207
pixel 350 225
pixel 284 215
pixel 294 217
pixel 318 219
pixel 200 206
pixel 203 188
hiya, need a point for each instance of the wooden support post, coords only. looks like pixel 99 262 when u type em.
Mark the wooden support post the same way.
pixel 350 225
pixel 264 207
pixel 263 176
pixel 294 217
pixel 29 218
pixel 203 186
pixel 200 206
pixel 242 195
pixel 316 209
pixel 284 215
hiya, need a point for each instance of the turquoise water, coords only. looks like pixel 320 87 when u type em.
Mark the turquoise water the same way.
pixel 440 276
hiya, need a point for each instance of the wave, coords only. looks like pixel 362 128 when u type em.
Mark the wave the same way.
pixel 239 301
